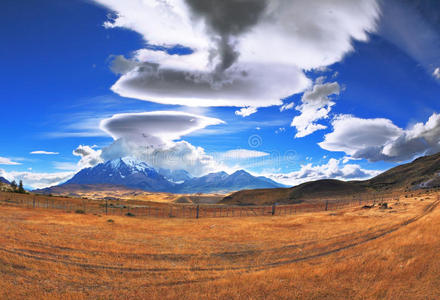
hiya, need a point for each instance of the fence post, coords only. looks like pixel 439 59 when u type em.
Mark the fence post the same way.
pixel 106 206
pixel 33 202
pixel 326 205
pixel 197 211
pixel 273 210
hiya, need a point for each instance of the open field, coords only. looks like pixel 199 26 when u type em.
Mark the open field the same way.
pixel 352 253
pixel 140 208
pixel 106 191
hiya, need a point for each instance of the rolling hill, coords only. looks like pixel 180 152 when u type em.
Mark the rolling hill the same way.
pixel 5 185
pixel 424 172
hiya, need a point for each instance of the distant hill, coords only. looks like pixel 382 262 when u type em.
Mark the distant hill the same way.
pixel 423 172
pixel 320 189
pixel 5 185
pixel 76 190
pixel 4 180
pixel 130 173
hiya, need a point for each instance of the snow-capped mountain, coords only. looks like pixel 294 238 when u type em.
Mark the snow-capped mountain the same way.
pixel 221 182
pixel 123 171
pixel 132 173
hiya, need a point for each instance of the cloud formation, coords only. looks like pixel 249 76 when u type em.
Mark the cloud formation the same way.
pixel 37 180
pixel 248 53
pixel 380 139
pixel 333 169
pixel 8 161
pixel 238 154
pixel 316 105
pixel 157 127
pixel 246 111
pixel 89 157
pixel 154 137
pixel 44 152
pixel 436 73
pixel 287 106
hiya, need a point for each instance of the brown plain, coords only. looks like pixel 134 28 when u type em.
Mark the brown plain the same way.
pixel 353 253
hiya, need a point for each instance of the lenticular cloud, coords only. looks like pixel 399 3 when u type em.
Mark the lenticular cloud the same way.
pixel 155 138
pixel 156 127
pixel 245 53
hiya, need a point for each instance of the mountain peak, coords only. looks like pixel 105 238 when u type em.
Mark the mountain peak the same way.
pixel 240 172
pixel 130 162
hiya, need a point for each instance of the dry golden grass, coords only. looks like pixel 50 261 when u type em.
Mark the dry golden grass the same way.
pixel 348 254
pixel 99 192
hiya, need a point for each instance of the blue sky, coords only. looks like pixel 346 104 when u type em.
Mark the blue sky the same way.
pixel 362 92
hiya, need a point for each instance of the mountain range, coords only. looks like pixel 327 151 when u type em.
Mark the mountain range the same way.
pixel 422 173
pixel 135 174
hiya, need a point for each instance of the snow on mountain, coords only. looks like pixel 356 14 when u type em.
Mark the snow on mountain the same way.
pixel 132 173
pixel 123 171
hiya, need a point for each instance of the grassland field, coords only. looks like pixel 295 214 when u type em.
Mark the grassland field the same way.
pixel 353 253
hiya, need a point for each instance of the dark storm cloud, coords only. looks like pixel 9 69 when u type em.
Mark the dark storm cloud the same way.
pixel 227 18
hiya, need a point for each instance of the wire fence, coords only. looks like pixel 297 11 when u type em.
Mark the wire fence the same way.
pixel 138 208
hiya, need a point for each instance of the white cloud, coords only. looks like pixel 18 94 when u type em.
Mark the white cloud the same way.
pixel 37 180
pixel 238 154
pixel 154 137
pixel 44 152
pixel 380 139
pixel 157 127
pixel 89 157
pixel 436 73
pixel 245 53
pixel 178 155
pixel 333 169
pixel 287 106
pixel 7 161
pixel 316 105
pixel 246 111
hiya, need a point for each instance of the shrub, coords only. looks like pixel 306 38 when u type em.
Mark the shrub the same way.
pixel 129 214
pixel 80 211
